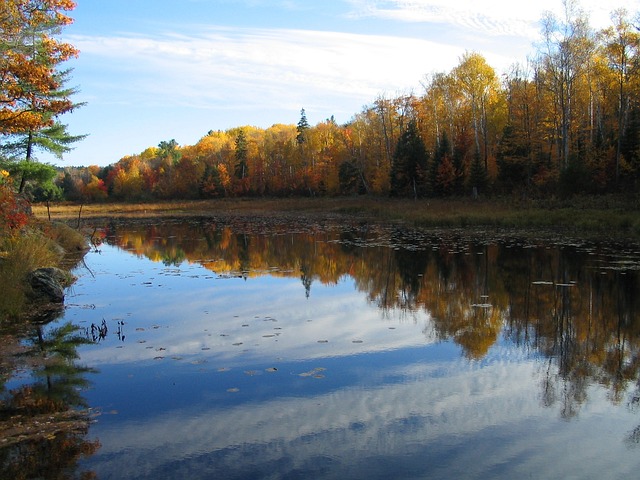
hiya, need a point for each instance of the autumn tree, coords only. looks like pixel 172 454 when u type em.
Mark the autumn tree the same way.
pixel 53 139
pixel 279 147
pixel 478 82
pixel 30 56
pixel 566 54
pixel 168 156
pixel 621 48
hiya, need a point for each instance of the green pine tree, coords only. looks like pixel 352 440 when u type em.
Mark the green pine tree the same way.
pixel 478 178
pixel 409 164
pixel 241 168
pixel 303 126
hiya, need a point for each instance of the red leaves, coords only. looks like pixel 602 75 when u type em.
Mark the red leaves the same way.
pixel 13 212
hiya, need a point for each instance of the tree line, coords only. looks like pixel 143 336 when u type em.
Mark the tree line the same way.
pixel 566 122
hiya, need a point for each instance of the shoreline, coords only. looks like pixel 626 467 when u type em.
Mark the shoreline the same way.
pixel 607 216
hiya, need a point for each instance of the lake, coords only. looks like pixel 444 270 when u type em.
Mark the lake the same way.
pixel 250 348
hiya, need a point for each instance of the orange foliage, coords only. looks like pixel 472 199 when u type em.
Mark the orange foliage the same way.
pixel 28 60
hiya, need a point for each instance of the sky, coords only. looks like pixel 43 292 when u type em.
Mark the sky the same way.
pixel 156 70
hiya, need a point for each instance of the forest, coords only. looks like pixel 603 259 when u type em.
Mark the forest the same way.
pixel 567 122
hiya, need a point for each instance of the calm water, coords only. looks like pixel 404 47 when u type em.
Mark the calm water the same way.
pixel 262 349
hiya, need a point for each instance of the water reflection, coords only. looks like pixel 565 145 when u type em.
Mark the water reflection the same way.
pixel 254 348
pixel 575 304
pixel 43 417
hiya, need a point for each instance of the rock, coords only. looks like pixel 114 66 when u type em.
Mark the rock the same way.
pixel 47 284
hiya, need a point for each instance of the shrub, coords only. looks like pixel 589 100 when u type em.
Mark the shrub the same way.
pixel 14 212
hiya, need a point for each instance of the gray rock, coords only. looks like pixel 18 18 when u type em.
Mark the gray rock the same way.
pixel 47 284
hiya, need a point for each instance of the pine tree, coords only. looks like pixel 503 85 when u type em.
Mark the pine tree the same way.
pixel 409 166
pixel 55 140
pixel 478 179
pixel 303 126
pixel 442 151
pixel 241 169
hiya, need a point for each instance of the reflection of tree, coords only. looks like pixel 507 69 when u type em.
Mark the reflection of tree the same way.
pixel 244 257
pixel 584 321
pixel 61 378
pixel 411 265
pixel 43 423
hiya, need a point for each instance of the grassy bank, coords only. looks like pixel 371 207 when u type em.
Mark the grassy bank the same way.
pixel 41 244
pixel 594 215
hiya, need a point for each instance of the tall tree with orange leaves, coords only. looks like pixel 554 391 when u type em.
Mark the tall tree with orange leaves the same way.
pixel 30 57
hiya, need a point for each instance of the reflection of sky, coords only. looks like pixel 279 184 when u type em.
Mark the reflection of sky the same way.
pixel 187 310
pixel 233 378
pixel 467 423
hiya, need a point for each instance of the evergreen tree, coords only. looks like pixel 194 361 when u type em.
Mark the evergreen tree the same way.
pixel 458 167
pixel 34 173
pixel 513 161
pixel 409 165
pixel 349 178
pixel 168 150
pixel 211 183
pixel 440 153
pixel 241 169
pixel 478 179
pixel 630 141
pixel 303 126
pixel 69 187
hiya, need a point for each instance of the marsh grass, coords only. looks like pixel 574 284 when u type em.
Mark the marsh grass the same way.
pixel 611 215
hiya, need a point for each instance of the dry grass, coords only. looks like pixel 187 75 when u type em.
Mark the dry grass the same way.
pixel 612 215
pixel 20 255
pixel 70 239
pixel 44 244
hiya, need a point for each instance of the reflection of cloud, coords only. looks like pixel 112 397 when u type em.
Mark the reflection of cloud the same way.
pixel 239 321
pixel 456 416
pixel 185 309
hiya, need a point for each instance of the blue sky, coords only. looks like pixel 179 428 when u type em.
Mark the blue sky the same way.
pixel 154 70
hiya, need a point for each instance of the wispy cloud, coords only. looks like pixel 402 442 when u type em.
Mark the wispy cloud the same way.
pixel 485 17
pixel 270 67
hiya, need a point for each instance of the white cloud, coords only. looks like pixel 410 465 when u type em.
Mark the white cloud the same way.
pixel 213 67
pixel 485 17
